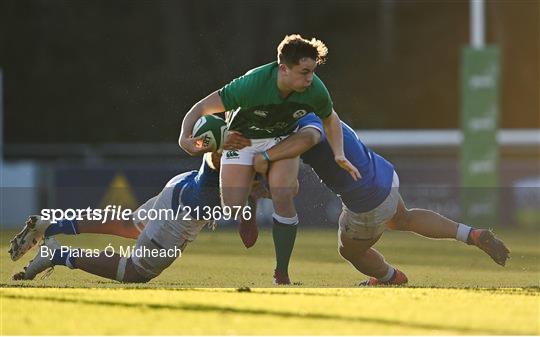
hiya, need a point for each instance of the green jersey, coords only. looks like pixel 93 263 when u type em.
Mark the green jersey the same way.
pixel 258 111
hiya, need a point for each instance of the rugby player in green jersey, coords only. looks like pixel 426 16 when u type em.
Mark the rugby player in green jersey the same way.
pixel 264 105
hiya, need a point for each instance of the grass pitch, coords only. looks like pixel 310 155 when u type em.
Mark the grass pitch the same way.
pixel 219 287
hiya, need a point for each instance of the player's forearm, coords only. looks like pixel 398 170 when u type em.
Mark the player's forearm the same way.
pixel 334 133
pixel 295 145
pixel 211 104
pixel 189 120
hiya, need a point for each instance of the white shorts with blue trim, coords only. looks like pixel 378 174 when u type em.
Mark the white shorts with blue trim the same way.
pixel 245 156
pixel 370 224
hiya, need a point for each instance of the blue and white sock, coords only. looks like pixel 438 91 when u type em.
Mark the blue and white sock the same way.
pixel 64 226
pixel 65 258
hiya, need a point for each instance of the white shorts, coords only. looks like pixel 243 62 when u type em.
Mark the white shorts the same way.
pixel 245 155
pixel 371 224
pixel 165 232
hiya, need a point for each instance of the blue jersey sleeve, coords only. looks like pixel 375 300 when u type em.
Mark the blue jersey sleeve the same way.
pixel 312 121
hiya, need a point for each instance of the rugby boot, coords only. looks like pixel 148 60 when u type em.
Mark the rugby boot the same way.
pixel 398 278
pixel 31 234
pixel 280 279
pixel 492 246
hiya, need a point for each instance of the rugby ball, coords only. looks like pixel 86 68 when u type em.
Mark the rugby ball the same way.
pixel 211 129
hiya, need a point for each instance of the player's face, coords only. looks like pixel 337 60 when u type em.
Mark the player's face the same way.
pixel 300 76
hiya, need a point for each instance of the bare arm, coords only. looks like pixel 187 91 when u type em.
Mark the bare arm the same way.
pixel 291 147
pixel 295 144
pixel 211 104
pixel 334 135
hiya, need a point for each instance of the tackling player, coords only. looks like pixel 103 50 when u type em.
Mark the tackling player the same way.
pixel 265 105
pixel 193 189
pixel 371 204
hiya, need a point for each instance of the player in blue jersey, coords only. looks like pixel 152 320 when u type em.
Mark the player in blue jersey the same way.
pixel 370 204
pixel 159 241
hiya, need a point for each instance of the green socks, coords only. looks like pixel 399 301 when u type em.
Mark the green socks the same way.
pixel 284 234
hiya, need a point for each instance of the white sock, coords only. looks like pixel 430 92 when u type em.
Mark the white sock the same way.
pixel 388 275
pixel 288 221
pixel 463 232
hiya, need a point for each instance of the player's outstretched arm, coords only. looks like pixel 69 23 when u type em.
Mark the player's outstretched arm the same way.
pixel 211 104
pixel 334 134
pixel 291 147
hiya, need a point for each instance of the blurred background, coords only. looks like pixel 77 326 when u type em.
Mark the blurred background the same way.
pixel 94 93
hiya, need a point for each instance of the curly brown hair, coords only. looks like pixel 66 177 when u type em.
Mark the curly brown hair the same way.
pixel 294 47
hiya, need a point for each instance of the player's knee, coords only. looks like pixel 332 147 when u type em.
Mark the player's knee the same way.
pixel 345 252
pixel 284 193
pixel 356 251
pixel 354 256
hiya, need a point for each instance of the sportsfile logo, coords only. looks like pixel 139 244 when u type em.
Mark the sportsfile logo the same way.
pixel 118 213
